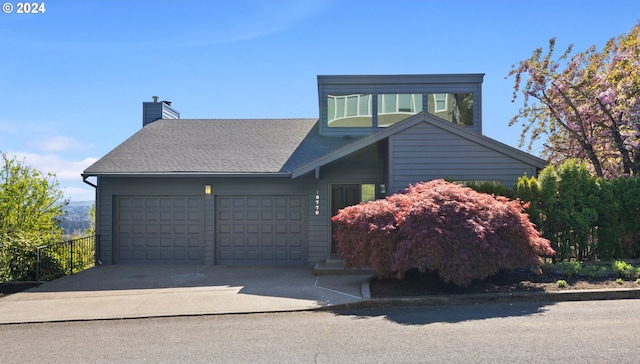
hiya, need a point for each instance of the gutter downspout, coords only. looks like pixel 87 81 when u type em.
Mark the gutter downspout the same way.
pixel 84 179
pixel 96 225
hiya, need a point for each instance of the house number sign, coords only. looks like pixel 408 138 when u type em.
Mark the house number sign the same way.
pixel 317 202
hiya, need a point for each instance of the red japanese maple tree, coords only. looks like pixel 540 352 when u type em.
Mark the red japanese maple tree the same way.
pixel 461 234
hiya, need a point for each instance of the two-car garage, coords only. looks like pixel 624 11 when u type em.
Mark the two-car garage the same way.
pixel 248 230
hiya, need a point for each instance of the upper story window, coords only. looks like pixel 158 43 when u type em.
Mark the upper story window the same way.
pixel 345 111
pixel 456 108
pixel 395 107
pixel 360 105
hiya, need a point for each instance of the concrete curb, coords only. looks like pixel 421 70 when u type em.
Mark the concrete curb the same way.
pixel 462 299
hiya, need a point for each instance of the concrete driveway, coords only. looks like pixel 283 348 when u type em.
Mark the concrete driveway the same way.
pixel 134 291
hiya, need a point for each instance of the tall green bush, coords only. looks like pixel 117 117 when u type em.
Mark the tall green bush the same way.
pixel 619 218
pixel 564 204
pixel 584 217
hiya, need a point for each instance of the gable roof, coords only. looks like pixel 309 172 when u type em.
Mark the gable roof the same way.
pixel 217 146
pixel 409 122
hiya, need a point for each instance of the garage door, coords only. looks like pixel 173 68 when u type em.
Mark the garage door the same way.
pixel 260 230
pixel 158 229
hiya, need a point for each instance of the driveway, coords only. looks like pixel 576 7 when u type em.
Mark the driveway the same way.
pixel 135 291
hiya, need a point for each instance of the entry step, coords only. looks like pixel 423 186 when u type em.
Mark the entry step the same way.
pixel 336 266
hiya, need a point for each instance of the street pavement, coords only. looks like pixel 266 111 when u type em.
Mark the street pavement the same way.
pixel 140 291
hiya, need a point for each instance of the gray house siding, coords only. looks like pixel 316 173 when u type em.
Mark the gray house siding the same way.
pixel 425 152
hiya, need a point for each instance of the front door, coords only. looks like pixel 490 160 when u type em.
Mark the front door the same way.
pixel 341 197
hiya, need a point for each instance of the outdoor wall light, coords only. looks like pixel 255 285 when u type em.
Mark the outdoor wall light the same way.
pixel 207 190
pixel 383 189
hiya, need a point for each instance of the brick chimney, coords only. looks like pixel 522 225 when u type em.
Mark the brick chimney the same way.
pixel 152 111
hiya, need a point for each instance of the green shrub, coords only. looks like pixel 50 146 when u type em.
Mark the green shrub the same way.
pixel 18 258
pixel 570 269
pixel 561 283
pixel 584 217
pixel 567 269
pixel 619 280
pixel 594 271
pixel 490 187
pixel 623 269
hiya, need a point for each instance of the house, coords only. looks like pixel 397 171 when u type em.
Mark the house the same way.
pixel 262 192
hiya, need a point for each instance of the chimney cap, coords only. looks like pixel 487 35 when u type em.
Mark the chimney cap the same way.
pixel 155 98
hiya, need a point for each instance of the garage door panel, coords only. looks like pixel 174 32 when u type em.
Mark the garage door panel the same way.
pixel 158 229
pixel 253 228
pixel 266 230
pixel 152 242
pixel 253 242
pixel 266 242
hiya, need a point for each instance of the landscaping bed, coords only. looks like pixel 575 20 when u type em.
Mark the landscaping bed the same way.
pixel 521 280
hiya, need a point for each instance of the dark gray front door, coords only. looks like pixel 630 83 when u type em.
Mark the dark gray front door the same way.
pixel 342 195
pixel 158 229
pixel 260 230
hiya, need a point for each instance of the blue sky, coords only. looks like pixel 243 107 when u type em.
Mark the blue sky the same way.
pixel 72 80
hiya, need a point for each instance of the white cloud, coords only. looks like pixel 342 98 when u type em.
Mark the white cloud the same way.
pixel 63 169
pixel 59 143
pixel 67 172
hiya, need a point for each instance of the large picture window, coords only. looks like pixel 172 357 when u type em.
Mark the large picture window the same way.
pixel 358 110
pixel 345 111
pixel 395 107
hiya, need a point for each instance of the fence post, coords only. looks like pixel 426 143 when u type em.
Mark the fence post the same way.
pixel 71 257
pixel 38 266
pixel 96 246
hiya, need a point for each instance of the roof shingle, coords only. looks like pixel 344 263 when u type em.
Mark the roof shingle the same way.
pixel 222 146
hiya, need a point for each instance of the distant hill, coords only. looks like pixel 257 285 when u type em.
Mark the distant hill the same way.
pixel 75 221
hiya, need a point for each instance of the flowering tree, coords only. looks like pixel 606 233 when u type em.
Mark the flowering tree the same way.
pixel 461 234
pixel 588 105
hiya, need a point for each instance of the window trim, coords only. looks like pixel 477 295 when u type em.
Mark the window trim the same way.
pixel 435 102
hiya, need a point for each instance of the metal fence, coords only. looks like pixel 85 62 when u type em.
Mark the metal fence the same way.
pixel 64 258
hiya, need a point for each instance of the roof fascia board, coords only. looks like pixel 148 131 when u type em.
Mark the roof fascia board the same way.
pixel 399 79
pixel 185 175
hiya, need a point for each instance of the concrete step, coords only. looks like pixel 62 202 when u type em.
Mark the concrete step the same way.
pixel 336 261
pixel 333 267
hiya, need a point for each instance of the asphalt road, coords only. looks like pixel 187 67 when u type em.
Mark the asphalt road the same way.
pixel 567 332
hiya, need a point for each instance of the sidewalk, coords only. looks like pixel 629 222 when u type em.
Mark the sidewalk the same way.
pixel 140 291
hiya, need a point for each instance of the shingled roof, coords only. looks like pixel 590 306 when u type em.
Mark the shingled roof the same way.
pixel 218 146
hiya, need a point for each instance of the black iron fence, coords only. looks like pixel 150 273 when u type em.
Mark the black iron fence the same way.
pixel 64 258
